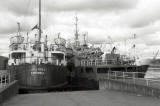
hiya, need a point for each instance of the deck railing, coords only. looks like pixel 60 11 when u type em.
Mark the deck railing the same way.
pixel 4 78
pixel 101 62
pixel 28 46
pixel 37 60
pixel 132 77
pixel 120 81
pixel 8 91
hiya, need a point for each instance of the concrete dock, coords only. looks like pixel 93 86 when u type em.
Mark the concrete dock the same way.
pixel 82 98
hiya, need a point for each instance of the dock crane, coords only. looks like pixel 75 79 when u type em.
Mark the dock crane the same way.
pixel 154 58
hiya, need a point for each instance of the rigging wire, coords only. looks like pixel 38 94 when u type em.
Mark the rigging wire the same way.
pixel 46 19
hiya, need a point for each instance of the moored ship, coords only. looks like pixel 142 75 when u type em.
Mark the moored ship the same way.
pixel 90 65
pixel 38 69
pixel 37 64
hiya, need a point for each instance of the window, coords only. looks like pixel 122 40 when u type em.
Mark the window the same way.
pixel 118 69
pixel 81 70
pixel 102 70
pixel 89 70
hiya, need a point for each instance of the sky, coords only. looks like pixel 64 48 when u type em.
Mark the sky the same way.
pixel 118 20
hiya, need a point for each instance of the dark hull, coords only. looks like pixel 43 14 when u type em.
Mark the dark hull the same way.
pixel 89 79
pixel 44 76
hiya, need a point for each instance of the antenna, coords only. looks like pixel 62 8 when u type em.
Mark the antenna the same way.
pixel 85 41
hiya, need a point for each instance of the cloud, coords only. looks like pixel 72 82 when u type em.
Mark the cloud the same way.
pixel 145 13
pixel 80 5
pixel 18 7
pixel 29 7
pixel 119 19
pixel 7 23
pixel 4 44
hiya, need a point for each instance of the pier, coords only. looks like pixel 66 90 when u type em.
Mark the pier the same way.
pixel 82 98
pixel 126 82
pixel 114 90
pixel 8 91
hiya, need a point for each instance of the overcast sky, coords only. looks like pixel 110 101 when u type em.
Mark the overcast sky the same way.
pixel 119 19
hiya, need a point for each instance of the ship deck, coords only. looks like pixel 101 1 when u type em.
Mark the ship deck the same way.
pixel 82 98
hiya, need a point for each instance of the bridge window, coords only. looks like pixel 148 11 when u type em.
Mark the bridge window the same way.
pixel 131 69
pixel 57 58
pixel 118 69
pixel 18 55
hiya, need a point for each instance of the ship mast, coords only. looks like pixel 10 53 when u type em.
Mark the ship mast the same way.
pixel 77 43
pixel 76 24
pixel 19 29
pixel 39 38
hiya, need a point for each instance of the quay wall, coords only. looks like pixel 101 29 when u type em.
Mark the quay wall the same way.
pixel 9 91
pixel 128 87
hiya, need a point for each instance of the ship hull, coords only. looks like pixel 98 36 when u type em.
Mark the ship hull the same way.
pixel 43 76
pixel 89 78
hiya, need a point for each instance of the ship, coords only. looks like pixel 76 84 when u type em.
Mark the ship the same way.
pixel 37 64
pixel 90 66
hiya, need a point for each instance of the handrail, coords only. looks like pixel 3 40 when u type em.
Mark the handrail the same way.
pixel 101 62
pixel 131 77
pixel 38 60
pixel 4 79
pixel 8 91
